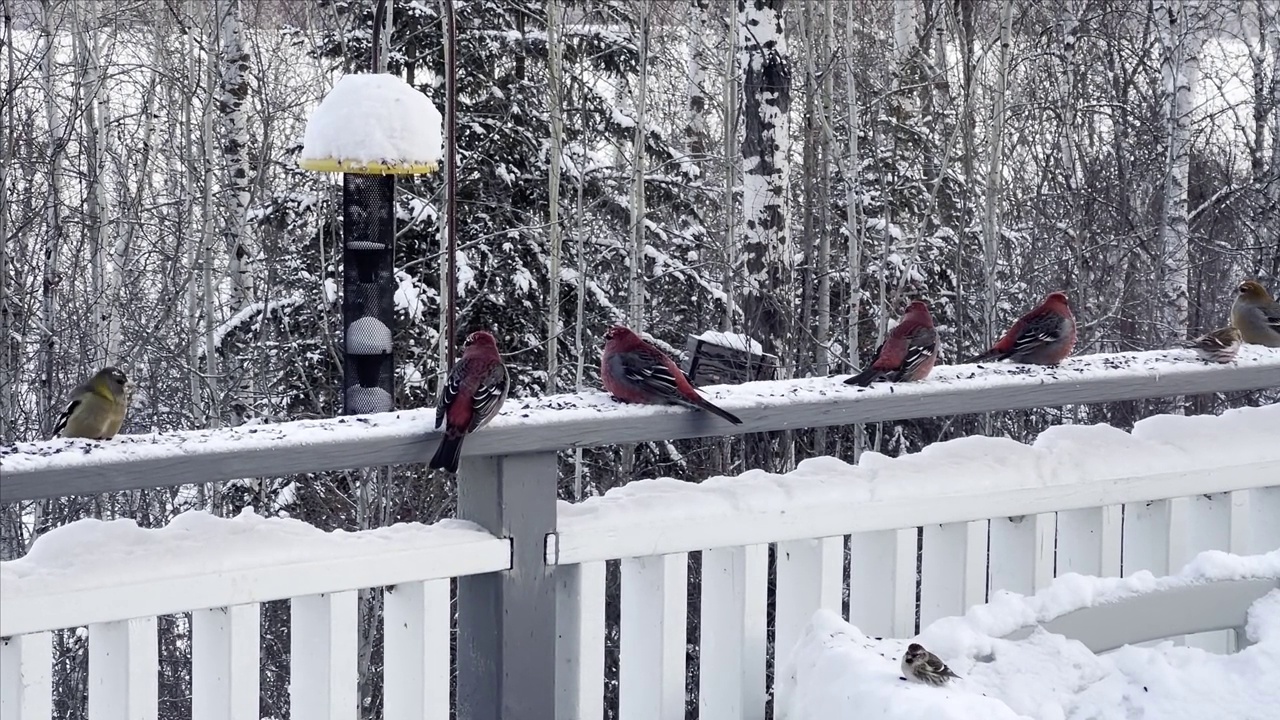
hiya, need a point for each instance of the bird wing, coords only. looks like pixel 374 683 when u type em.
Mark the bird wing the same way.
pixel 66 416
pixel 488 396
pixel 937 667
pixel 648 371
pixel 1035 331
pixel 891 353
pixel 452 388
pixel 919 350
pixel 1271 315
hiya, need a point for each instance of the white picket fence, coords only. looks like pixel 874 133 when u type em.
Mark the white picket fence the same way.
pixel 1052 511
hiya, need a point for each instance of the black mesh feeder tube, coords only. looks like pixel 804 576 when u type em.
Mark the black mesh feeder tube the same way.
pixel 368 292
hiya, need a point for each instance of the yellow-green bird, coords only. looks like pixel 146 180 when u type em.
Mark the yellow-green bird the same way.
pixel 97 406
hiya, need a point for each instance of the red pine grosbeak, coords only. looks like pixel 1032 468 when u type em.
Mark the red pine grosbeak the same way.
pixel 1044 336
pixel 471 397
pixel 635 371
pixel 907 354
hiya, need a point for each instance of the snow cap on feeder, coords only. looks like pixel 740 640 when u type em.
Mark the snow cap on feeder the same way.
pixel 374 124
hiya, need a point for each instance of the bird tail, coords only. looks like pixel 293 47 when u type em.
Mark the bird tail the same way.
pixel 865 378
pixel 985 357
pixel 706 405
pixel 449 452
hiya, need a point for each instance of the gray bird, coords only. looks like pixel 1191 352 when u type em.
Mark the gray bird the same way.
pixel 97 407
pixel 1219 346
pixel 1256 315
pixel 923 666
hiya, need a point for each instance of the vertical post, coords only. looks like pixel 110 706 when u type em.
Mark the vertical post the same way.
pixel 225 662
pixel 451 180
pixel 26 680
pixel 507 620
pixel 123 670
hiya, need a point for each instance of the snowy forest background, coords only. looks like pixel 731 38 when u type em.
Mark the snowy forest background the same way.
pixel 790 170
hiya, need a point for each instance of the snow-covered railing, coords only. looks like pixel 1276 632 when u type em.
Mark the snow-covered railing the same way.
pixel 75 467
pixel 981 514
pixel 116 578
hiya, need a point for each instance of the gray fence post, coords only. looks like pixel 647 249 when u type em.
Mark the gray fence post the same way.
pixel 507 621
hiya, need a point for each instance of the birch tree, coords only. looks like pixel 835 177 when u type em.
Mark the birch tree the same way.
pixel 1273 39
pixel 9 354
pixel 556 152
pixel 1179 70
pixel 233 90
pixel 636 276
pixel 57 139
pixel 765 232
pixel 995 169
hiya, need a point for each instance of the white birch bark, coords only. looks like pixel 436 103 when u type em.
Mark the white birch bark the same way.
pixel 208 282
pixel 731 127
pixel 696 131
pixel 554 159
pixel 636 261
pixel 233 91
pixel 1273 40
pixel 766 240
pixel 9 358
pixel 1179 69
pixel 855 225
pixel 995 168
pixel 58 131
pixel 905 16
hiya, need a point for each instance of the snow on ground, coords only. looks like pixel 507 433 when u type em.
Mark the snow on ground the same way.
pixel 837 672
pixel 92 553
pixel 374 118
pixel 586 408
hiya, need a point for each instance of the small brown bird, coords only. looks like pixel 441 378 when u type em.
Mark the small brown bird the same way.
pixel 97 407
pixel 1256 315
pixel 923 666
pixel 1219 346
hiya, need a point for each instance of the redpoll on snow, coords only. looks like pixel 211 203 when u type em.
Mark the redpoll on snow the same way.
pixel 923 666
pixel 1256 315
pixel 634 371
pixel 97 407
pixel 471 397
pixel 1218 346
pixel 907 354
pixel 1044 336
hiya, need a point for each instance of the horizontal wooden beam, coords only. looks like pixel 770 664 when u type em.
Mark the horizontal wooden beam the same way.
pixel 59 468
pixel 147 581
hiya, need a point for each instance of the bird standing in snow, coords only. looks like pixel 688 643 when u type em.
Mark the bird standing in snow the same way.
pixel 1219 346
pixel 923 666
pixel 1044 336
pixel 472 396
pixel 907 354
pixel 1256 315
pixel 634 371
pixel 97 407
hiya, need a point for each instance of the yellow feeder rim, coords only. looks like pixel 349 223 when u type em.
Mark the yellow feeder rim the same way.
pixel 365 167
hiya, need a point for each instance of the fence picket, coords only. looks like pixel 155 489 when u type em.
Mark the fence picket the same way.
pixel 1022 553
pixel 580 622
pixel 224 662
pixel 734 622
pixel 882 582
pixel 654 617
pixel 26 677
pixel 810 577
pixel 1089 541
pixel 416 665
pixel 953 573
pixel 123 680
pixel 322 656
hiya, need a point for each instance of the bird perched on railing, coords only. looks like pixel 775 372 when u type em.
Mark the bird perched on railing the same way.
pixel 97 407
pixel 1219 346
pixel 923 666
pixel 1044 336
pixel 472 396
pixel 907 353
pixel 634 371
pixel 1256 315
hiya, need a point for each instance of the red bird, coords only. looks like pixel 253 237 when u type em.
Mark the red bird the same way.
pixel 635 371
pixel 907 354
pixel 472 396
pixel 1044 336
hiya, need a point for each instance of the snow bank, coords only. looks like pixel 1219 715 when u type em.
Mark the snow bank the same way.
pixel 89 554
pixel 836 671
pixel 733 341
pixel 374 120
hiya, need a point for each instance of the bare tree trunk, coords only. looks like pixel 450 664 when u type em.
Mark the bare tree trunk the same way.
pixel 53 218
pixel 855 225
pixel 766 241
pixel 1069 25
pixel 636 274
pixel 208 286
pixel 823 266
pixel 555 85
pixel 730 143
pixel 995 168
pixel 9 360
pixel 696 132
pixel 1273 38
pixel 233 61
pixel 808 171
pixel 904 29
pixel 1179 68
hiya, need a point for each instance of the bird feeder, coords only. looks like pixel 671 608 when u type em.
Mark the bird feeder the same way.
pixel 371 128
